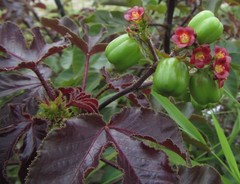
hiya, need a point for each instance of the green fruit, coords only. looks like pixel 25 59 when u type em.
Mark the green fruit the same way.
pixel 207 27
pixel 123 52
pixel 196 105
pixel 171 77
pixel 204 89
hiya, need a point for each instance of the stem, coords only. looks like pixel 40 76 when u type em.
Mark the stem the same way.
pixel 168 21
pixel 49 89
pixel 190 15
pixel 60 7
pixel 102 91
pixel 140 81
pixel 152 49
pixel 110 163
pixel 86 66
pixel 160 25
pixel 133 87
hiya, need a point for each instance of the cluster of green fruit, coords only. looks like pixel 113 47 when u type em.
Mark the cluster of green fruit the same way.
pixel 172 76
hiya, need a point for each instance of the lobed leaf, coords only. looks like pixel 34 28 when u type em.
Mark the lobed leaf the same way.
pixel 199 174
pixel 78 98
pixel 34 131
pixel 88 44
pixel 153 126
pixel 67 155
pixel 12 42
pixel 138 99
pixel 22 87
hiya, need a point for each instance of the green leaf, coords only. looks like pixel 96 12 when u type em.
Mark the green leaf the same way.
pixel 67 58
pixel 236 128
pixel 78 62
pixel 93 81
pixel 228 93
pixel 212 5
pixel 179 118
pixel 232 83
pixel 226 150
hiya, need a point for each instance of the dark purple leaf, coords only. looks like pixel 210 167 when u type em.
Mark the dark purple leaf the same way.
pixel 67 153
pixel 145 123
pixel 70 28
pixel 119 83
pixel 77 148
pixel 17 12
pixel 98 48
pixel 26 80
pixel 140 163
pixel 199 174
pixel 78 98
pixel 88 44
pixel 14 82
pixel 137 98
pixel 34 135
pixel 92 41
pixel 13 43
pixel 9 136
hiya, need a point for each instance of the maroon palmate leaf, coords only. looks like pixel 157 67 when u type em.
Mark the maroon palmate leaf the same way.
pixel 34 131
pixel 67 155
pixel 138 99
pixel 88 44
pixel 204 174
pixel 75 96
pixel 136 122
pixel 119 83
pixel 12 42
pixel 17 11
pixel 28 84
pixel 34 135
pixel 22 80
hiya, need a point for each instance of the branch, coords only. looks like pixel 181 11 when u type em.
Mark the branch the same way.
pixel 60 7
pixel 140 81
pixel 191 14
pixel 109 163
pixel 86 68
pixel 168 21
pixel 133 87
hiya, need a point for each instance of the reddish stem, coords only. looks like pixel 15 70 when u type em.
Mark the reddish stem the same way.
pixel 49 89
pixel 86 66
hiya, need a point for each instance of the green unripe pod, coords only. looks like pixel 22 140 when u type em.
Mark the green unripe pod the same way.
pixel 123 52
pixel 207 27
pixel 204 89
pixel 171 77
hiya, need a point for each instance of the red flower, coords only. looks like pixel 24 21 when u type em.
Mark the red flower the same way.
pixel 201 56
pixel 183 37
pixel 221 68
pixel 134 14
pixel 220 83
pixel 220 52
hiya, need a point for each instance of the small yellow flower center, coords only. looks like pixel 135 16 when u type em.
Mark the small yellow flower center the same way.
pixel 184 38
pixel 199 56
pixel 135 15
pixel 219 68
pixel 220 55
